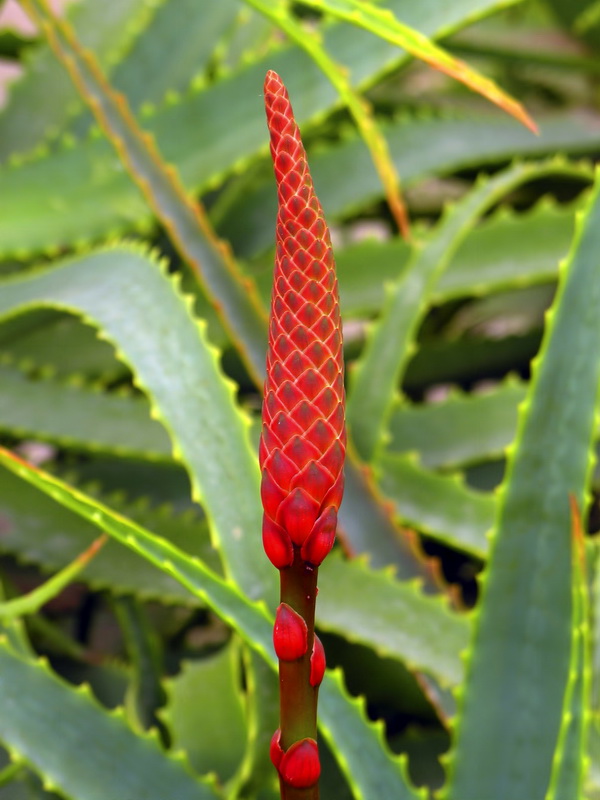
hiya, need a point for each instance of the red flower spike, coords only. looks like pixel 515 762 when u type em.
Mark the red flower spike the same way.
pixel 317 662
pixel 290 634
pixel 300 766
pixel 303 436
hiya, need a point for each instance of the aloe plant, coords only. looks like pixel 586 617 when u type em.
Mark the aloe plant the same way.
pixel 458 608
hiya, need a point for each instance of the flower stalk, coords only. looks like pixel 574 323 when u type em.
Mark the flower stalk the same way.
pixel 303 441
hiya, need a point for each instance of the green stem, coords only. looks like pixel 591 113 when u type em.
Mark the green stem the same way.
pixel 298 699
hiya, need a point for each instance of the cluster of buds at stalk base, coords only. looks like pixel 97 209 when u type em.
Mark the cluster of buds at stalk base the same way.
pixel 303 442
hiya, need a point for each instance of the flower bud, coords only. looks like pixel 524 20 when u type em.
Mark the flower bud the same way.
pixel 321 538
pixel 277 544
pixel 317 662
pixel 300 766
pixel 290 634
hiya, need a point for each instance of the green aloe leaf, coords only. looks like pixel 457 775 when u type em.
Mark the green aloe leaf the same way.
pixel 377 374
pixel 38 531
pixel 145 80
pixel 51 343
pixel 439 505
pixel 461 429
pixel 34 600
pixel 232 294
pixel 368 526
pixel 45 721
pixel 372 771
pixel 381 22
pixel 369 769
pixel 79 417
pixel 518 667
pixel 570 756
pixel 592 782
pixel 204 712
pixel 175 365
pixel 45 87
pixel 430 638
pixel 510 251
pixel 255 773
pixel 144 693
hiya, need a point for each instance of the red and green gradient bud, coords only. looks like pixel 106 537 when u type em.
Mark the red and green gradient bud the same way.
pixel 303 436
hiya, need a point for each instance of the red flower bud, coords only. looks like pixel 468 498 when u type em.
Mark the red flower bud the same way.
pixel 317 662
pixel 277 544
pixel 303 437
pixel 290 634
pixel 300 766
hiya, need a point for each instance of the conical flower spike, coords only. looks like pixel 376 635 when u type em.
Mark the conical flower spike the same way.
pixel 303 442
pixel 303 436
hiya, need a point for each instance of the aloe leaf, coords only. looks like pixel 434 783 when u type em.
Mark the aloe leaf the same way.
pixel 519 663
pixel 570 756
pixel 204 712
pixel 430 637
pixel 461 429
pixel 46 88
pixel 80 192
pixel 79 417
pixel 233 295
pixel 45 720
pixel 438 505
pixel 145 80
pixel 592 782
pixel 383 23
pixel 368 526
pixel 38 531
pixel 255 773
pixel 372 771
pixel 34 600
pixel 173 362
pixel 509 251
pixel 469 359
pixel 377 373
pixel 342 721
pixel 144 693
pixel 54 344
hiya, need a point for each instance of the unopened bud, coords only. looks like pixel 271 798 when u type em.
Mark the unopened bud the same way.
pixel 290 634
pixel 321 538
pixel 317 662
pixel 300 766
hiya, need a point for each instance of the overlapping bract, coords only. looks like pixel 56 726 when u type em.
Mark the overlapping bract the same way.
pixel 303 436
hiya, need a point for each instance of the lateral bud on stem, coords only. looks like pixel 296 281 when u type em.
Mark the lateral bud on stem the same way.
pixel 290 634
pixel 317 662
pixel 299 766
